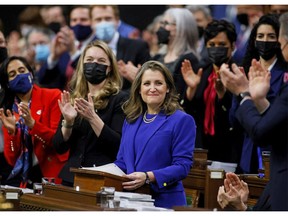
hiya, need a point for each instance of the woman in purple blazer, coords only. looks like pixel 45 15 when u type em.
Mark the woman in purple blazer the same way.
pixel 158 138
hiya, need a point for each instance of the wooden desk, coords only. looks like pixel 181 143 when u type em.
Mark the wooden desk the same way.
pixel 70 194
pixel 93 181
pixel 33 202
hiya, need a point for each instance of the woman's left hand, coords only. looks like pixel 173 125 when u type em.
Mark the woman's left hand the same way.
pixel 25 113
pixel 137 180
pixel 85 108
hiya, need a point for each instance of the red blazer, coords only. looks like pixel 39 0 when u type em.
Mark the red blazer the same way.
pixel 46 113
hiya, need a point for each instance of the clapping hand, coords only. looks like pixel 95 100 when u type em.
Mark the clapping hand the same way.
pixel 8 121
pixel 236 81
pixel 239 185
pixel 129 70
pixel 192 80
pixel 85 108
pixel 259 80
pixel 68 111
pixel 25 113
pixel 234 193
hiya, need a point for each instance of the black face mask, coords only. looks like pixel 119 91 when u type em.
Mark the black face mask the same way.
pixel 200 31
pixel 266 49
pixel 218 55
pixel 95 73
pixel 55 27
pixel 243 19
pixel 3 54
pixel 163 36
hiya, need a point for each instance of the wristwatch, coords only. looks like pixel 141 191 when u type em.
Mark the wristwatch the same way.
pixel 147 180
pixel 241 96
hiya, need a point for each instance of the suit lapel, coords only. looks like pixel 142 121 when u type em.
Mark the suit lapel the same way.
pixel 155 126
pixel 120 49
pixel 277 74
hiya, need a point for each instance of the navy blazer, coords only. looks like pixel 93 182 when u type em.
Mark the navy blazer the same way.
pixel 55 77
pixel 249 157
pixel 271 129
pixel 167 151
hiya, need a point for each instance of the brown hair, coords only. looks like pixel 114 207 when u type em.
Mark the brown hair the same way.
pixel 135 106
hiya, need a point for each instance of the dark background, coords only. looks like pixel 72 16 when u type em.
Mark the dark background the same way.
pixel 137 15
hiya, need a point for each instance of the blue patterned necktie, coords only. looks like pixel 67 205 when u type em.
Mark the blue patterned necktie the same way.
pixel 23 162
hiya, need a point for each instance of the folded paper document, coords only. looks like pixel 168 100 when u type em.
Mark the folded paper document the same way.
pixel 108 168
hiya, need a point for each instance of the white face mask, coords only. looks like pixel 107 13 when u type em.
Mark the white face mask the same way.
pixel 105 31
pixel 25 29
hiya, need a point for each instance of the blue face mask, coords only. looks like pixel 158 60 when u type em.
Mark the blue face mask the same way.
pixel 42 52
pixel 81 32
pixel 105 31
pixel 22 83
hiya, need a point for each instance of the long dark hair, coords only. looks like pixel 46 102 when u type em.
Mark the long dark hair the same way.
pixel 9 96
pixel 251 52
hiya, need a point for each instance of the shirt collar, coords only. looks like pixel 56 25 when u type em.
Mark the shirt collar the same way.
pixel 113 42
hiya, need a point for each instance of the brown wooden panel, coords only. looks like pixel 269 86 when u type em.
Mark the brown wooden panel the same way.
pixel 70 194
pixel 94 180
pixel 32 202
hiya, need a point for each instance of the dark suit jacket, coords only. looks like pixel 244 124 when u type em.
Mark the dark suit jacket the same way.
pixel 167 151
pixel 86 149
pixel 249 156
pixel 223 145
pixel 271 129
pixel 136 51
pixel 55 77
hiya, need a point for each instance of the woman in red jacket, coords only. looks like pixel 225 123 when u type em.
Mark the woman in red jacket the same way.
pixel 30 116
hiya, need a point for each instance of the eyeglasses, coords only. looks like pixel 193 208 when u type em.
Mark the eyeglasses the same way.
pixel 164 23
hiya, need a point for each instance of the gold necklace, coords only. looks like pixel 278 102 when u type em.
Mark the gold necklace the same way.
pixel 146 120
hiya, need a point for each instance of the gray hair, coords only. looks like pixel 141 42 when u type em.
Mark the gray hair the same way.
pixel 186 31
pixel 284 25
pixel 204 9
pixel 151 26
pixel 45 31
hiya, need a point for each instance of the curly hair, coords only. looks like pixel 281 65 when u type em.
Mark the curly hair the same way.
pixel 251 51
pixel 217 26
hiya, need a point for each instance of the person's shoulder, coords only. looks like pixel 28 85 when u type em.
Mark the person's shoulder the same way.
pixel 180 117
pixel 189 56
pixel 133 42
pixel 45 95
pixel 121 95
pixel 180 114
pixel 48 91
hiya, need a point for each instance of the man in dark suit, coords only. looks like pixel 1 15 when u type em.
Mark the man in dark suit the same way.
pixel 66 49
pixel 130 53
pixel 265 123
